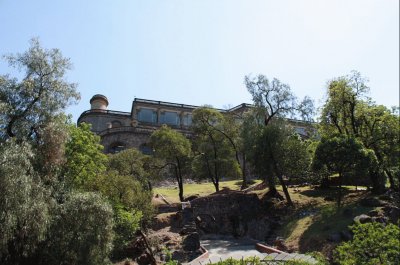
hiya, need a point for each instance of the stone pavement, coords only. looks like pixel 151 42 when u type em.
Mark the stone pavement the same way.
pixel 223 249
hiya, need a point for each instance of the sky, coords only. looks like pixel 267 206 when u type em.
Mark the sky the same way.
pixel 198 52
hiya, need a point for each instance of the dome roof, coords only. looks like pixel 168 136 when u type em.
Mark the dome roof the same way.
pixel 99 96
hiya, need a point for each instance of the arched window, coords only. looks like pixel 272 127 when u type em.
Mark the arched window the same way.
pixel 146 149
pixel 116 147
pixel 116 124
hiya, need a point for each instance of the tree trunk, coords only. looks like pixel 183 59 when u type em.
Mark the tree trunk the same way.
pixel 285 190
pixel 244 177
pixel 179 180
pixel 378 187
pixel 391 180
pixel 339 202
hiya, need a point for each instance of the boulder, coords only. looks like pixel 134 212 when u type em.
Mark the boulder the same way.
pixel 371 202
pixel 363 218
pixel 374 213
pixel 191 242
pixel 394 214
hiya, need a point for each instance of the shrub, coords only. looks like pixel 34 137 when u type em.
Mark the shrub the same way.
pixel 373 244
pixel 81 232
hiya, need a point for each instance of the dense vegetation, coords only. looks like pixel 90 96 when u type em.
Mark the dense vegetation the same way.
pixel 62 201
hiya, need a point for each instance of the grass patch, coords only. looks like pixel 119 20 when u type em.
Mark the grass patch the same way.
pixel 201 189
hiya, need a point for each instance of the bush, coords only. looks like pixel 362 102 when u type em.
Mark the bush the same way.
pixel 373 243
pixel 81 232
pixel 24 204
pixel 126 224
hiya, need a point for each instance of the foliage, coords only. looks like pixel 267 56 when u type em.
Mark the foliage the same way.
pixel 84 157
pixel 349 112
pixel 132 162
pixel 373 243
pixel 277 99
pixel 29 104
pixel 24 209
pixel 41 221
pixel 81 231
pixel 343 155
pixel 126 224
pixel 215 143
pixel 279 152
pixel 126 192
pixel 175 149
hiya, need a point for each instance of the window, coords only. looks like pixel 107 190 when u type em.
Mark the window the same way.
pixel 116 147
pixel 146 149
pixel 170 118
pixel 147 115
pixel 300 130
pixel 116 124
pixel 187 120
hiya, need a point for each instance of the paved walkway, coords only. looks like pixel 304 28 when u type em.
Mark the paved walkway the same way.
pixel 241 249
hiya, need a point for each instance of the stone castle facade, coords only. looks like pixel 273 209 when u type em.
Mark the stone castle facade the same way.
pixel 121 130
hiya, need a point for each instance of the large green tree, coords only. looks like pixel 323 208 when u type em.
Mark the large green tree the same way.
pixel 343 156
pixel 348 111
pixel 42 93
pixel 279 153
pixel 33 194
pixel 216 144
pixel 273 101
pixel 175 149
pixel 84 157
pixel 132 162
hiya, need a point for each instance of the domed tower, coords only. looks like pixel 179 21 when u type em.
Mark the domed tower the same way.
pixel 98 102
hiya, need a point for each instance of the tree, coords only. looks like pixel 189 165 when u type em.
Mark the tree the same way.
pixel 41 220
pixel 84 157
pixel 344 156
pixel 81 232
pixel 174 148
pixel 349 112
pixel 24 204
pixel 216 145
pixel 277 99
pixel 132 162
pixel 42 94
pixel 373 243
pixel 279 153
pixel 273 101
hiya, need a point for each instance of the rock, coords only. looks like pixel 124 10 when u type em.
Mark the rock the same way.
pixel 371 202
pixel 192 197
pixel 144 259
pixel 385 197
pixel 380 219
pixel 374 213
pixel 346 235
pixel 363 218
pixel 191 242
pixel 280 244
pixel 329 199
pixel 335 237
pixel 394 214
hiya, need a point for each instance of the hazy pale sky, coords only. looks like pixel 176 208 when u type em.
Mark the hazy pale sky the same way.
pixel 198 52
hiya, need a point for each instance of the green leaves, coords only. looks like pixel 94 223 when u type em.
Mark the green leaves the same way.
pixel 84 157
pixel 373 243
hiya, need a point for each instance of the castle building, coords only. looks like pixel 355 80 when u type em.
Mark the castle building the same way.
pixel 121 130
